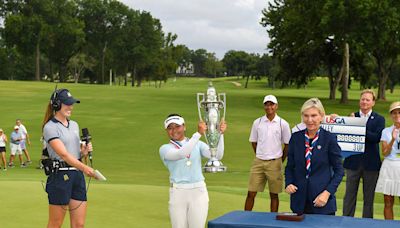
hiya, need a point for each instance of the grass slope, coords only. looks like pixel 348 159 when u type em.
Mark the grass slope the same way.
pixel 126 127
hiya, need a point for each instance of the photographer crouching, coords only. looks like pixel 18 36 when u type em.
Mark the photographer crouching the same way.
pixel 65 185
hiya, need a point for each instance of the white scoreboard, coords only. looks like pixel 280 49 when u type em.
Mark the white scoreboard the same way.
pixel 350 133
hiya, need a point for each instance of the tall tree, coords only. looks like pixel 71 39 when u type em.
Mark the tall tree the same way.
pixel 27 26
pixel 66 35
pixel 380 35
pixel 149 44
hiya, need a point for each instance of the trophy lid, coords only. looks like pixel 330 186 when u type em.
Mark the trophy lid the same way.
pixel 211 92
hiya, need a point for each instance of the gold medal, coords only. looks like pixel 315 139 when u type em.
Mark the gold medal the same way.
pixel 188 163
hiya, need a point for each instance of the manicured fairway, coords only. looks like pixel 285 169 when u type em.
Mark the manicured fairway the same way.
pixel 126 127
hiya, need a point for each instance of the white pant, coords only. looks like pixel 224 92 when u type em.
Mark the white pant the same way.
pixel 188 208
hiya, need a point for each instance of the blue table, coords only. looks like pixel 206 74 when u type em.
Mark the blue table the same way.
pixel 247 219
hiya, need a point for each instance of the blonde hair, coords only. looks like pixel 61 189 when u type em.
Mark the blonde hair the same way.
pixel 370 91
pixel 313 103
pixel 49 114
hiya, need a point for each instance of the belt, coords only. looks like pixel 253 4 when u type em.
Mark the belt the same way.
pixel 67 168
pixel 63 164
pixel 189 185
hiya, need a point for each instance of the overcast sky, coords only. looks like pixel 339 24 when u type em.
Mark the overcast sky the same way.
pixel 215 25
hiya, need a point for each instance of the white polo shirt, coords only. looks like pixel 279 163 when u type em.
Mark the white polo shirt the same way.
pixel 23 131
pixel 269 136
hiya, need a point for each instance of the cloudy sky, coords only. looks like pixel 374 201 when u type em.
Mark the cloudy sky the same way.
pixel 215 25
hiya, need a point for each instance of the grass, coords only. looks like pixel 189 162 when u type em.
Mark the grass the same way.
pixel 127 131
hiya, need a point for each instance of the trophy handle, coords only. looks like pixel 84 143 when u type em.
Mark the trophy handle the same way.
pixel 222 99
pixel 200 100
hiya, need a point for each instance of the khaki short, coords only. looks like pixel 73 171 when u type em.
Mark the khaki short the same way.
pixel 266 170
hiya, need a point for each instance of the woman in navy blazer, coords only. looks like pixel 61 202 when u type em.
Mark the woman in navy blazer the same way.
pixel 312 182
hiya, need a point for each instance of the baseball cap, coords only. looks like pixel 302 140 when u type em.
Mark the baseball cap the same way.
pixel 173 119
pixel 1 129
pixel 16 127
pixel 271 98
pixel 394 105
pixel 66 98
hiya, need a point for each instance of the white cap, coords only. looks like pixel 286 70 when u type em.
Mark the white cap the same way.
pixel 1 129
pixel 16 127
pixel 394 105
pixel 173 119
pixel 271 98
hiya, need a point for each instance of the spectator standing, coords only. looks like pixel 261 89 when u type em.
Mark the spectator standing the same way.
pixel 367 164
pixel 3 143
pixel 15 140
pixel 267 136
pixel 25 139
pixel 388 181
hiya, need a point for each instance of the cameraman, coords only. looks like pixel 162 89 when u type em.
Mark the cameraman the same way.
pixel 66 184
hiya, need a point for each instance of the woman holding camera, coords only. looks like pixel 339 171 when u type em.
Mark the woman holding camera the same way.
pixel 66 184
pixel 188 196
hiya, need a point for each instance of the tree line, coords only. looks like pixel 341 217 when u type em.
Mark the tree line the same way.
pixel 82 40
pixel 343 39
pixel 89 40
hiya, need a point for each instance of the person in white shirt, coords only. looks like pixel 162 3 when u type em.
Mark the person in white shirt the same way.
pixel 188 196
pixel 3 143
pixel 267 136
pixel 25 139
pixel 388 181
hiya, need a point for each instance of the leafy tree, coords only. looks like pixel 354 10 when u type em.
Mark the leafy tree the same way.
pixel 213 67
pixel 199 59
pixel 149 44
pixel 182 55
pixel 26 27
pixel 79 63
pixel 394 76
pixel 380 35
pixel 105 24
pixel 307 36
pixel 236 62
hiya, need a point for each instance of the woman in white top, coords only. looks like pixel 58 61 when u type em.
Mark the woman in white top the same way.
pixel 3 142
pixel 388 182
pixel 188 196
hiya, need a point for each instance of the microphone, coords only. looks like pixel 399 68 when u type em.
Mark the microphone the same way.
pixel 87 138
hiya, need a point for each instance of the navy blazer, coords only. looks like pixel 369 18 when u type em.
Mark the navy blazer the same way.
pixel 326 171
pixel 370 159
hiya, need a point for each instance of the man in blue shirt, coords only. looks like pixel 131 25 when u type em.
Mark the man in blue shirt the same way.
pixel 15 141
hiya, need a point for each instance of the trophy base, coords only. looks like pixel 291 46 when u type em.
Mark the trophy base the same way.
pixel 214 166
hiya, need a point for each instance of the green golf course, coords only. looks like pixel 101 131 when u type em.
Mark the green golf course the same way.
pixel 126 125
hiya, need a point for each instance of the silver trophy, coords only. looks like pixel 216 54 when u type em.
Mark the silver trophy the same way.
pixel 212 107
